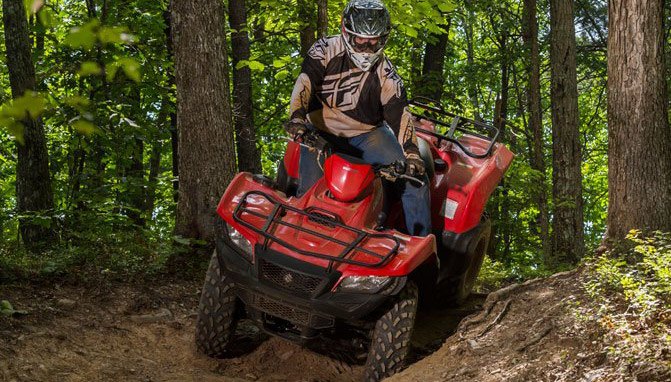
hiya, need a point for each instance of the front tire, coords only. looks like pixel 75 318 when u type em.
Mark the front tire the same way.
pixel 217 312
pixel 391 337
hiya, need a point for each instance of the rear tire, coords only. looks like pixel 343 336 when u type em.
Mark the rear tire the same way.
pixel 217 311
pixel 459 287
pixel 391 337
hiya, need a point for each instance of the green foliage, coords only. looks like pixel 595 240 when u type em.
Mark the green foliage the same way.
pixel 630 290
pixel 105 94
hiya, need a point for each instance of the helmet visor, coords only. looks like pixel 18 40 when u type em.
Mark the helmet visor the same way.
pixel 366 44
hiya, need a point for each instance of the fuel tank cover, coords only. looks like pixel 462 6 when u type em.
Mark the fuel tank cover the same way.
pixel 347 177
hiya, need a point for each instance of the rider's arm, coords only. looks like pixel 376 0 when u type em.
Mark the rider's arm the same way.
pixel 395 109
pixel 312 75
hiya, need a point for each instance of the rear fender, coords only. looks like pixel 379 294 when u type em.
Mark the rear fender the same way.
pixel 461 193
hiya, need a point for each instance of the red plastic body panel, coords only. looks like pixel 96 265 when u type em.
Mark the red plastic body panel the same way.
pixel 291 159
pixel 459 194
pixel 361 214
pixel 346 180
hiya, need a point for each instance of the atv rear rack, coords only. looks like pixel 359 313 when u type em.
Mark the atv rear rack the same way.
pixel 322 217
pixel 457 124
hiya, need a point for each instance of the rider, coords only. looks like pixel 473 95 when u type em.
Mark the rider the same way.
pixel 350 92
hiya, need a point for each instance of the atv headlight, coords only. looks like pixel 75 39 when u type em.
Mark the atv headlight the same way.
pixel 240 241
pixel 363 284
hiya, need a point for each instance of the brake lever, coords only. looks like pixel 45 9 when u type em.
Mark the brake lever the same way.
pixel 412 179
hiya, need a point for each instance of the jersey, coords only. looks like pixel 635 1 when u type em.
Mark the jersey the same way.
pixel 339 98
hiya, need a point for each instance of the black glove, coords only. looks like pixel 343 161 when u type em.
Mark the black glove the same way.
pixel 414 165
pixel 295 127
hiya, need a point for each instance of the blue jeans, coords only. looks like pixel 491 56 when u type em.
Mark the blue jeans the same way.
pixel 378 147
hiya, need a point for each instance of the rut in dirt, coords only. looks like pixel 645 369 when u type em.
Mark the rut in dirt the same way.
pixel 137 333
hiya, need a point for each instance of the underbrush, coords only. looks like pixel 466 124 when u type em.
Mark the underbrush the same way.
pixel 92 247
pixel 496 274
pixel 630 303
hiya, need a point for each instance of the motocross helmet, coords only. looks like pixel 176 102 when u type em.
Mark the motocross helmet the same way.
pixel 365 28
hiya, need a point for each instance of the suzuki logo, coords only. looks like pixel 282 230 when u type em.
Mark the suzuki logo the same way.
pixel 288 278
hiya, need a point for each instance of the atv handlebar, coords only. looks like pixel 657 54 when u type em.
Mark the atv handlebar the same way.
pixel 311 140
pixel 397 170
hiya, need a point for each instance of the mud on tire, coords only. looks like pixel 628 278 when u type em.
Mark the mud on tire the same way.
pixel 217 316
pixel 391 337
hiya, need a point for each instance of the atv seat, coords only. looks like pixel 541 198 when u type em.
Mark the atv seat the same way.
pixel 425 154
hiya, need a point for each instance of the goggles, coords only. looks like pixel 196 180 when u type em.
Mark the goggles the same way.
pixel 366 44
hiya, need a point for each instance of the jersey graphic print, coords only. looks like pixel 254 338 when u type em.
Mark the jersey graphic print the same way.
pixel 318 50
pixel 342 92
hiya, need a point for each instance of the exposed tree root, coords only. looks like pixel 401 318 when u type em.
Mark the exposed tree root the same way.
pixel 497 320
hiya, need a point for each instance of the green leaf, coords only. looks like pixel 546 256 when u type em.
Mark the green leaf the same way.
pixel 241 64
pixel 30 105
pixel 114 35
pixel 77 101
pixel 90 68
pixel 279 63
pixel 46 18
pixel 131 68
pixel 110 70
pixel 82 37
pixel 281 75
pixel 84 127
pixel 181 240
pixel 447 6
pixel 6 305
pixel 15 129
pixel 256 66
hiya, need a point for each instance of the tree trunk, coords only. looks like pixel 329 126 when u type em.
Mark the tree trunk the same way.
pixel 249 158
pixel 174 137
pixel 470 61
pixel 306 14
pixel 322 18
pixel 34 194
pixel 432 81
pixel 536 121
pixel 568 240
pixel 206 163
pixel 639 150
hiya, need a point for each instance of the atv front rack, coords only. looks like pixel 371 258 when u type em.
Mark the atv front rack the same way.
pixel 458 124
pixel 322 217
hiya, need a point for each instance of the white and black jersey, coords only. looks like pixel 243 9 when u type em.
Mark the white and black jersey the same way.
pixel 341 99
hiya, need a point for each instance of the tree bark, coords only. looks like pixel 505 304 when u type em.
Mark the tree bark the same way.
pixel 249 158
pixel 206 164
pixel 322 18
pixel 306 14
pixel 174 137
pixel 432 81
pixel 639 150
pixel 568 240
pixel 470 60
pixel 536 121
pixel 34 194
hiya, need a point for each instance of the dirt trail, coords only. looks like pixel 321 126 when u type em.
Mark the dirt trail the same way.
pixel 114 333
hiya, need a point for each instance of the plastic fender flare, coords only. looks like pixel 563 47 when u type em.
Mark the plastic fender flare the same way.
pixel 425 276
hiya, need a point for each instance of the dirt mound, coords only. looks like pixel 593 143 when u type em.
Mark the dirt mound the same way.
pixel 140 333
pixel 526 332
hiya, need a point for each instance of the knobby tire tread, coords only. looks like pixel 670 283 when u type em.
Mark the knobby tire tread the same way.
pixel 216 312
pixel 391 337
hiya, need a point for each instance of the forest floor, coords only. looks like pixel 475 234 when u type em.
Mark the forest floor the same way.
pixel 117 332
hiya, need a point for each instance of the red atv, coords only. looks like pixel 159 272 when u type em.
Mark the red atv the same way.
pixel 338 258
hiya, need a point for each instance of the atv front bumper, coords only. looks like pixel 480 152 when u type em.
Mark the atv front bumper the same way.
pixel 280 287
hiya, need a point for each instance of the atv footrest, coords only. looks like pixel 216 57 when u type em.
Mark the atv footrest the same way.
pixel 361 244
